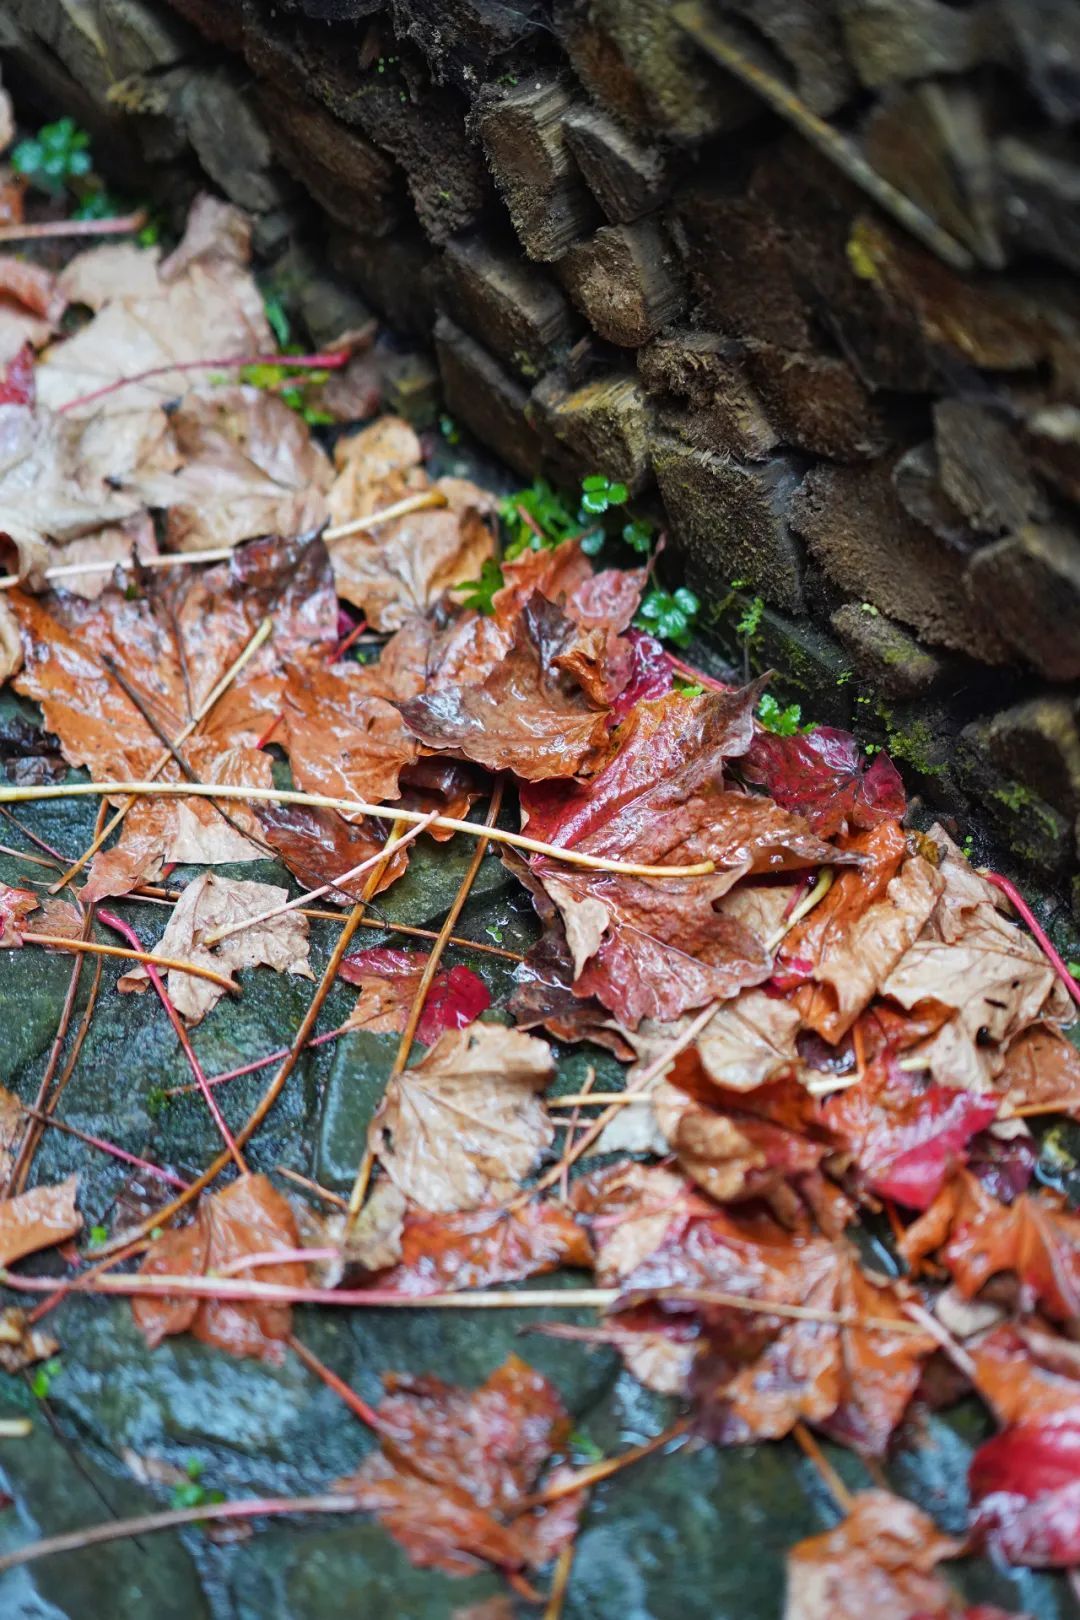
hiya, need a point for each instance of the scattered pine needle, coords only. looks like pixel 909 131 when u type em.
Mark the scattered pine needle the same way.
pixel 582 1478
pixel 300 362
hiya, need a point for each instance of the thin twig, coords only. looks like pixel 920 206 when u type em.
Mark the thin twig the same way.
pixel 353 807
pixel 177 1023
pixel 560 1580
pixel 356 1404
pixel 43 230
pixel 1053 956
pixel 806 1442
pixel 167 559
pixel 379 858
pixel 163 759
pixel 409 503
pixel 582 1478
pixel 821 888
pixel 172 1518
pixel 259 1063
pixel 300 362
pixel 100 1143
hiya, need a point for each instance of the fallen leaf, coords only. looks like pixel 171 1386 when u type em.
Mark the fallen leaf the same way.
pixel 1024 1373
pixel 319 845
pixel 824 775
pixel 556 572
pixel 208 903
pixel 38 1219
pixel 248 1217
pixel 31 304
pixel 749 1040
pixel 173 645
pixel 370 1242
pixel 21 1345
pixel 524 716
pixel 880 1561
pixel 863 927
pixel 906 1138
pixel 342 741
pixel 464 1125
pixel 17 385
pixel 650 674
pixel 204 305
pixel 12 1126
pixel 15 906
pixel 247 466
pixel 388 980
pixel 1041 1066
pixel 977 1238
pixel 455 1465
pixel 480 1247
pixel 1025 1493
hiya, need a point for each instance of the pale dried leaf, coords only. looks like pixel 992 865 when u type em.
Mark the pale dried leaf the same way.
pixel 212 902
pixel 38 1219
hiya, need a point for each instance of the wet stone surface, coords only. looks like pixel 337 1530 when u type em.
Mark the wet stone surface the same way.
pixel 698 1534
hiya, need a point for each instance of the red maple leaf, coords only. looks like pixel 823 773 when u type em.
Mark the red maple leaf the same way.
pixel 825 776
pixel 1025 1491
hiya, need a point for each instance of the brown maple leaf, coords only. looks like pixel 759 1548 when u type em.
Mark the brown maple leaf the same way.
pixel 479 1247
pixel 456 1464
pixel 525 716
pixel 248 1217
pixel 880 1561
pixel 38 1219
pixel 319 845
pixel 463 1126
pixel 15 906
pixel 210 902
pixel 1041 1066
pixel 1024 1373
pixel 172 646
pixel 1034 1239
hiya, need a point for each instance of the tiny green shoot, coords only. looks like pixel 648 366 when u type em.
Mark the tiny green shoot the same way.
pixel 783 721
pixel 670 616
pixel 41 1381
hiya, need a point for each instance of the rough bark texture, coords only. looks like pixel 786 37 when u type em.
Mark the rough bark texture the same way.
pixel 867 415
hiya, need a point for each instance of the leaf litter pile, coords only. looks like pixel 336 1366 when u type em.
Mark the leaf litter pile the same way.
pixel 810 1208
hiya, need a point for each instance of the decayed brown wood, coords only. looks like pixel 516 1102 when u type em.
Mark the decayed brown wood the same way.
pixel 730 519
pixel 627 177
pixel 510 305
pixel 722 410
pixel 806 36
pixel 634 61
pixel 471 40
pixel 395 274
pixel 604 424
pixel 739 267
pixel 893 41
pixel 351 180
pixel 815 401
pixel 983 469
pixel 1042 185
pixel 931 142
pixel 487 399
pixel 626 280
pixel 526 148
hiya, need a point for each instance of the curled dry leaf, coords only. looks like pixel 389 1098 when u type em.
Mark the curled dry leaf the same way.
pixel 525 716
pixel 1033 1239
pixel 38 1219
pixel 880 1561
pixel 248 467
pixel 31 304
pixel 201 303
pixel 456 1464
pixel 825 776
pixel 464 1126
pixel 248 1217
pixel 208 903
pixel 388 980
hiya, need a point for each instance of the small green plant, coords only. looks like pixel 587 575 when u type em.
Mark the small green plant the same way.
pixel 157 1101
pixel 278 318
pixel 41 1382
pixel 1074 969
pixel 190 1493
pixel 495 932
pixel 688 688
pixel 58 153
pixel 535 518
pixel 98 1236
pixel 669 616
pixel 783 721
pixel 584 1447
pixel 599 494
pixel 449 430
pixel 480 593
pixel 748 625
pixel 968 847
pixel 638 535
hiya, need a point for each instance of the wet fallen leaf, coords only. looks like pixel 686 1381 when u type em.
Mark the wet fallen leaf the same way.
pixel 15 906
pixel 525 716
pixel 31 304
pixel 480 1247
pixel 1025 1493
pixel 880 1561
pixel 388 980
pixel 824 775
pixel 38 1219
pixel 319 845
pixel 248 1217
pixel 463 1126
pixel 455 1465
pixel 1023 1372
pixel 1033 1239
pixel 342 741
pixel 208 903
pixel 1041 1066
pixel 21 1344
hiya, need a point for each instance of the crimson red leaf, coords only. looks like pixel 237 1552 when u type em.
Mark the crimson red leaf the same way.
pixel 650 677
pixel 391 977
pixel 1025 1489
pixel 824 775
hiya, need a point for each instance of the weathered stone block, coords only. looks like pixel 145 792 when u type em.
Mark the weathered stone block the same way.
pixel 884 656
pixel 604 425
pixel 1038 743
pixel 1034 832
